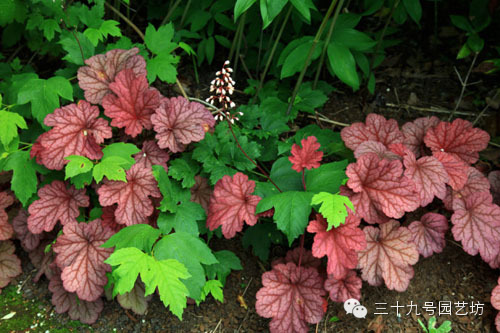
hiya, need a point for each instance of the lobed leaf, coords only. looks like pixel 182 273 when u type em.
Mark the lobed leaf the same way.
pixel 29 240
pixel 10 265
pixel 308 156
pixel 151 154
pixel 333 207
pixel 340 290
pixel 6 230
pixel 414 133
pixel 428 233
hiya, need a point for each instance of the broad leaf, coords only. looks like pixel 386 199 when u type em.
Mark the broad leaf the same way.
pixel 333 207
pixel 214 288
pixel 456 169
pixel 6 230
pixel 10 265
pixel 340 290
pixel 227 261
pixel 9 122
pixel 242 6
pixel 29 240
pixel 284 176
pixel 160 41
pixel 135 299
pixel 269 9
pixel 343 64
pixel 327 178
pixel 201 192
pixel 428 233
pixel 184 219
pixel 494 178
pixel 123 150
pixel 141 236
pixel 377 148
pixel 112 167
pixel 476 182
pixel 108 219
pixel 307 156
pixel 184 169
pixel 414 133
pixel 297 254
pixel 260 237
pixel 77 165
pixel 151 154
pixel 24 179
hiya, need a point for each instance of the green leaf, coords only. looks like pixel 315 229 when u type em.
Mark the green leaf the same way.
pixel 464 52
pixel 333 207
pixel 292 46
pixel 82 180
pixel 141 236
pixel 284 176
pixel 94 35
pixel 44 95
pixel 24 181
pixel 291 211
pixel 327 178
pixel 199 19
pixel 112 167
pixel 185 219
pixel 11 10
pixel 110 27
pixel 95 213
pixel 304 8
pixel 49 27
pixel 297 58
pixel 213 287
pixel 353 39
pixel 171 190
pixel 163 67
pixel 210 49
pixel 414 9
pixel 74 47
pixel 123 150
pixel 160 42
pixel 462 23
pixel 9 122
pixel 162 274
pixel 242 6
pixel 77 165
pixel 184 169
pixel 260 237
pixel 343 64
pixel 269 9
pixel 326 137
pixel 475 43
pixel 227 261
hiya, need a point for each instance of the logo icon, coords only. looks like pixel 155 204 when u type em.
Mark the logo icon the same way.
pixel 355 308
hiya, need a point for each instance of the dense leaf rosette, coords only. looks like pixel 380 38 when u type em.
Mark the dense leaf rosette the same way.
pixel 455 168
pixel 81 258
pixel 414 133
pixel 101 70
pixel 179 122
pixel 375 147
pixel 292 296
pixel 150 155
pixel 308 156
pixel 29 240
pixel 57 203
pixel 428 233
pixel 476 182
pixel 132 197
pixel 76 130
pixel 340 290
pixel 10 265
pixel 388 256
pixel 232 204
pixel 132 103
pixel 6 230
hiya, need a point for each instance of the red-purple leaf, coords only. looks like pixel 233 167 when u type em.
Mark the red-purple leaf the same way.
pixel 76 131
pixel 307 260
pixel 232 204
pixel 455 168
pixel 81 258
pixel 201 192
pixel 29 240
pixel 476 223
pixel 308 156
pixel 476 182
pixel 101 70
pixel 388 256
pixel 179 122
pixel 414 133
pixel 458 138
pixel 10 265
pixel 132 197
pixel 108 219
pixel 292 296
pixel 43 262
pixel 56 203
pixel 495 301
pixel 428 233
pixel 429 176
pixel 381 184
pixel 6 230
pixel 375 128
pixel 86 312
pixel 132 103
pixel 341 290
pixel 339 244
pixel 494 178
pixel 151 154
pixel 375 147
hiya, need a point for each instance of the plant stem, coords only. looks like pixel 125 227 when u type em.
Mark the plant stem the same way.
pixel 185 12
pixel 170 12
pixel 303 179
pixel 327 41
pixel 464 85
pixel 301 248
pixel 240 38
pixel 379 42
pixel 484 109
pixel 235 39
pixel 309 55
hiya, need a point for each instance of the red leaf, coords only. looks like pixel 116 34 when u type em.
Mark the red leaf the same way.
pixel 455 168
pixel 414 133
pixel 476 182
pixel 133 104
pixel 44 262
pixel 132 197
pixel 37 149
pixel 29 240
pixel 364 206
pixel 6 230
pixel 380 183
pixel 306 157
pixel 476 223
pixel 201 192
pixel 76 131
pixel 86 312
pixel 494 178
pixel 292 296
pixel 341 290
pixel 308 260
pixel 428 233
pixel 56 203
pixel 388 256
pixel 81 258
pixel 458 138
pixel 429 176
pixel 108 219
pixel 232 204
pixel 179 122
pixel 339 244
pixel 10 265
pixel 151 154
pixel 375 128
pixel 495 296
pixel 377 148
pixel 101 70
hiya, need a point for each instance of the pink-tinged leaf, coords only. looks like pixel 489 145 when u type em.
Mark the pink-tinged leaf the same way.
pixel 455 168
pixel 37 149
pixel 132 103
pixel 292 296
pixel 364 206
pixel 201 192
pixel 76 130
pixel 10 265
pixel 151 154
pixel 428 233
pixel 476 223
pixel 307 260
pixel 179 122
pixel 381 183
pixel 414 133
pixel 375 128
pixel 6 230
pixel 308 156
pixel 81 258
pixel 476 182
pixel 497 322
pixel 132 197
pixel 458 138
pixel 108 219
pixel 232 204
pixel 64 301
pixel 43 262
pixel 29 240
pixel 377 148
pixel 341 290
pixel 101 70
pixel 494 178
pixel 429 176
pixel 339 244
pixel 495 296
pixel 56 203
pixel 388 256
